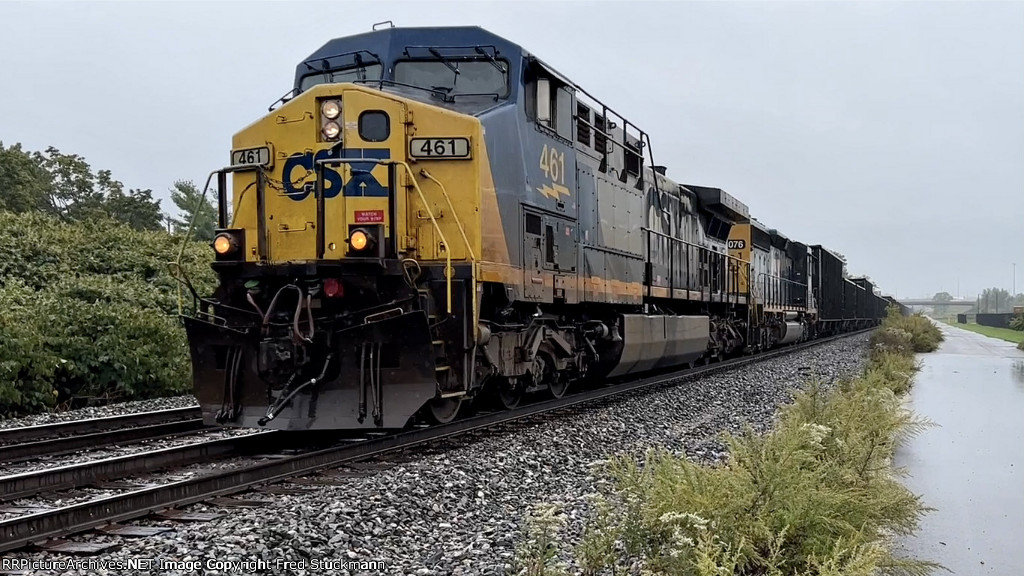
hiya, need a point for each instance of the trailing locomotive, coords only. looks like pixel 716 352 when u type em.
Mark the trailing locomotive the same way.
pixel 434 216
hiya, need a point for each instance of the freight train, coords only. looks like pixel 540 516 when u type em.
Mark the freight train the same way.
pixel 434 218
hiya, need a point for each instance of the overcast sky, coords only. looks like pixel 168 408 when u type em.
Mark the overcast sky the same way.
pixel 890 132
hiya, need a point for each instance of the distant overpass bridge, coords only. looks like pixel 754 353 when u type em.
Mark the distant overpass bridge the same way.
pixel 930 302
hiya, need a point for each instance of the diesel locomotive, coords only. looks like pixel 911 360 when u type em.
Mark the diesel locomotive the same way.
pixel 434 218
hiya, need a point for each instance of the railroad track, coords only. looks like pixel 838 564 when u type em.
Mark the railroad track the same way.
pixel 39 527
pixel 89 473
pixel 17 444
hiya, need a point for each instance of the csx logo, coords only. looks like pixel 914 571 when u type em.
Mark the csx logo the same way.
pixel 362 182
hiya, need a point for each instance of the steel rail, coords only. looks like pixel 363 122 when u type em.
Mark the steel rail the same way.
pixel 77 427
pixel 61 445
pixel 87 473
pixel 34 528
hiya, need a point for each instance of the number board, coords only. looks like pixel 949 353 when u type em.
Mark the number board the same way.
pixel 451 148
pixel 737 244
pixel 251 157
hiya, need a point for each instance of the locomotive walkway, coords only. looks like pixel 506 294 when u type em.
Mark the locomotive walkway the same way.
pixel 970 466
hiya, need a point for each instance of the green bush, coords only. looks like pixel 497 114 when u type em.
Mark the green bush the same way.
pixel 896 370
pixel 537 555
pixel 27 363
pixel 90 312
pixel 41 250
pixel 815 496
pixel 924 335
pixel 891 340
pixel 1017 323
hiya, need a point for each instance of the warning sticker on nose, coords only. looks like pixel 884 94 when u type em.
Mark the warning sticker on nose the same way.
pixel 369 216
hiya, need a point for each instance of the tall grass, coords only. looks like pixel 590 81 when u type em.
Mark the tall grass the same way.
pixel 816 496
pixel 905 334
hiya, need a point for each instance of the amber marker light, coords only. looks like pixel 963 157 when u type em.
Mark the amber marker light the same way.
pixel 359 240
pixel 222 244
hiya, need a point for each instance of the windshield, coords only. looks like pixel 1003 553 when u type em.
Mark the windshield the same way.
pixel 367 72
pixel 472 76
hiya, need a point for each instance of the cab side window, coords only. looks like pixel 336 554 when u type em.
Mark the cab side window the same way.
pixel 549 103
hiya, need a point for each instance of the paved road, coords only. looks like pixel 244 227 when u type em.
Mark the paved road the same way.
pixel 971 466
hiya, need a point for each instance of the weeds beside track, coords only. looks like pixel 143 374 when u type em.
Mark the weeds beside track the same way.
pixel 816 496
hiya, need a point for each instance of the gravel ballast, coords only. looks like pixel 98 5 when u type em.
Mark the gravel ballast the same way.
pixel 457 508
pixel 115 409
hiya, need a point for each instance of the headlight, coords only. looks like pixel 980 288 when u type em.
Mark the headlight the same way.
pixel 331 130
pixel 360 240
pixel 331 109
pixel 224 244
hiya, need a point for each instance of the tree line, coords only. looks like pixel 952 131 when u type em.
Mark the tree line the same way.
pixel 66 186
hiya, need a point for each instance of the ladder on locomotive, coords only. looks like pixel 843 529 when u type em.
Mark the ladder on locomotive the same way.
pixel 426 303
pixel 441 349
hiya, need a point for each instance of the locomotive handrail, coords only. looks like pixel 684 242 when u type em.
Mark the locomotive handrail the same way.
pixel 607 134
pixel 681 241
pixel 175 268
pixel 768 298
pixel 642 139
pixel 730 265
pixel 465 239
pixel 462 230
pixel 759 274
pixel 176 265
pixel 437 227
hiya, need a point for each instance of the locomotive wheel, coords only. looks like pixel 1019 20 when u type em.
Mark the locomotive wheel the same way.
pixel 558 386
pixel 557 383
pixel 507 395
pixel 544 370
pixel 444 410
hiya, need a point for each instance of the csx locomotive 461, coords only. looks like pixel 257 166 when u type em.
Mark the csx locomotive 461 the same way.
pixel 435 216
